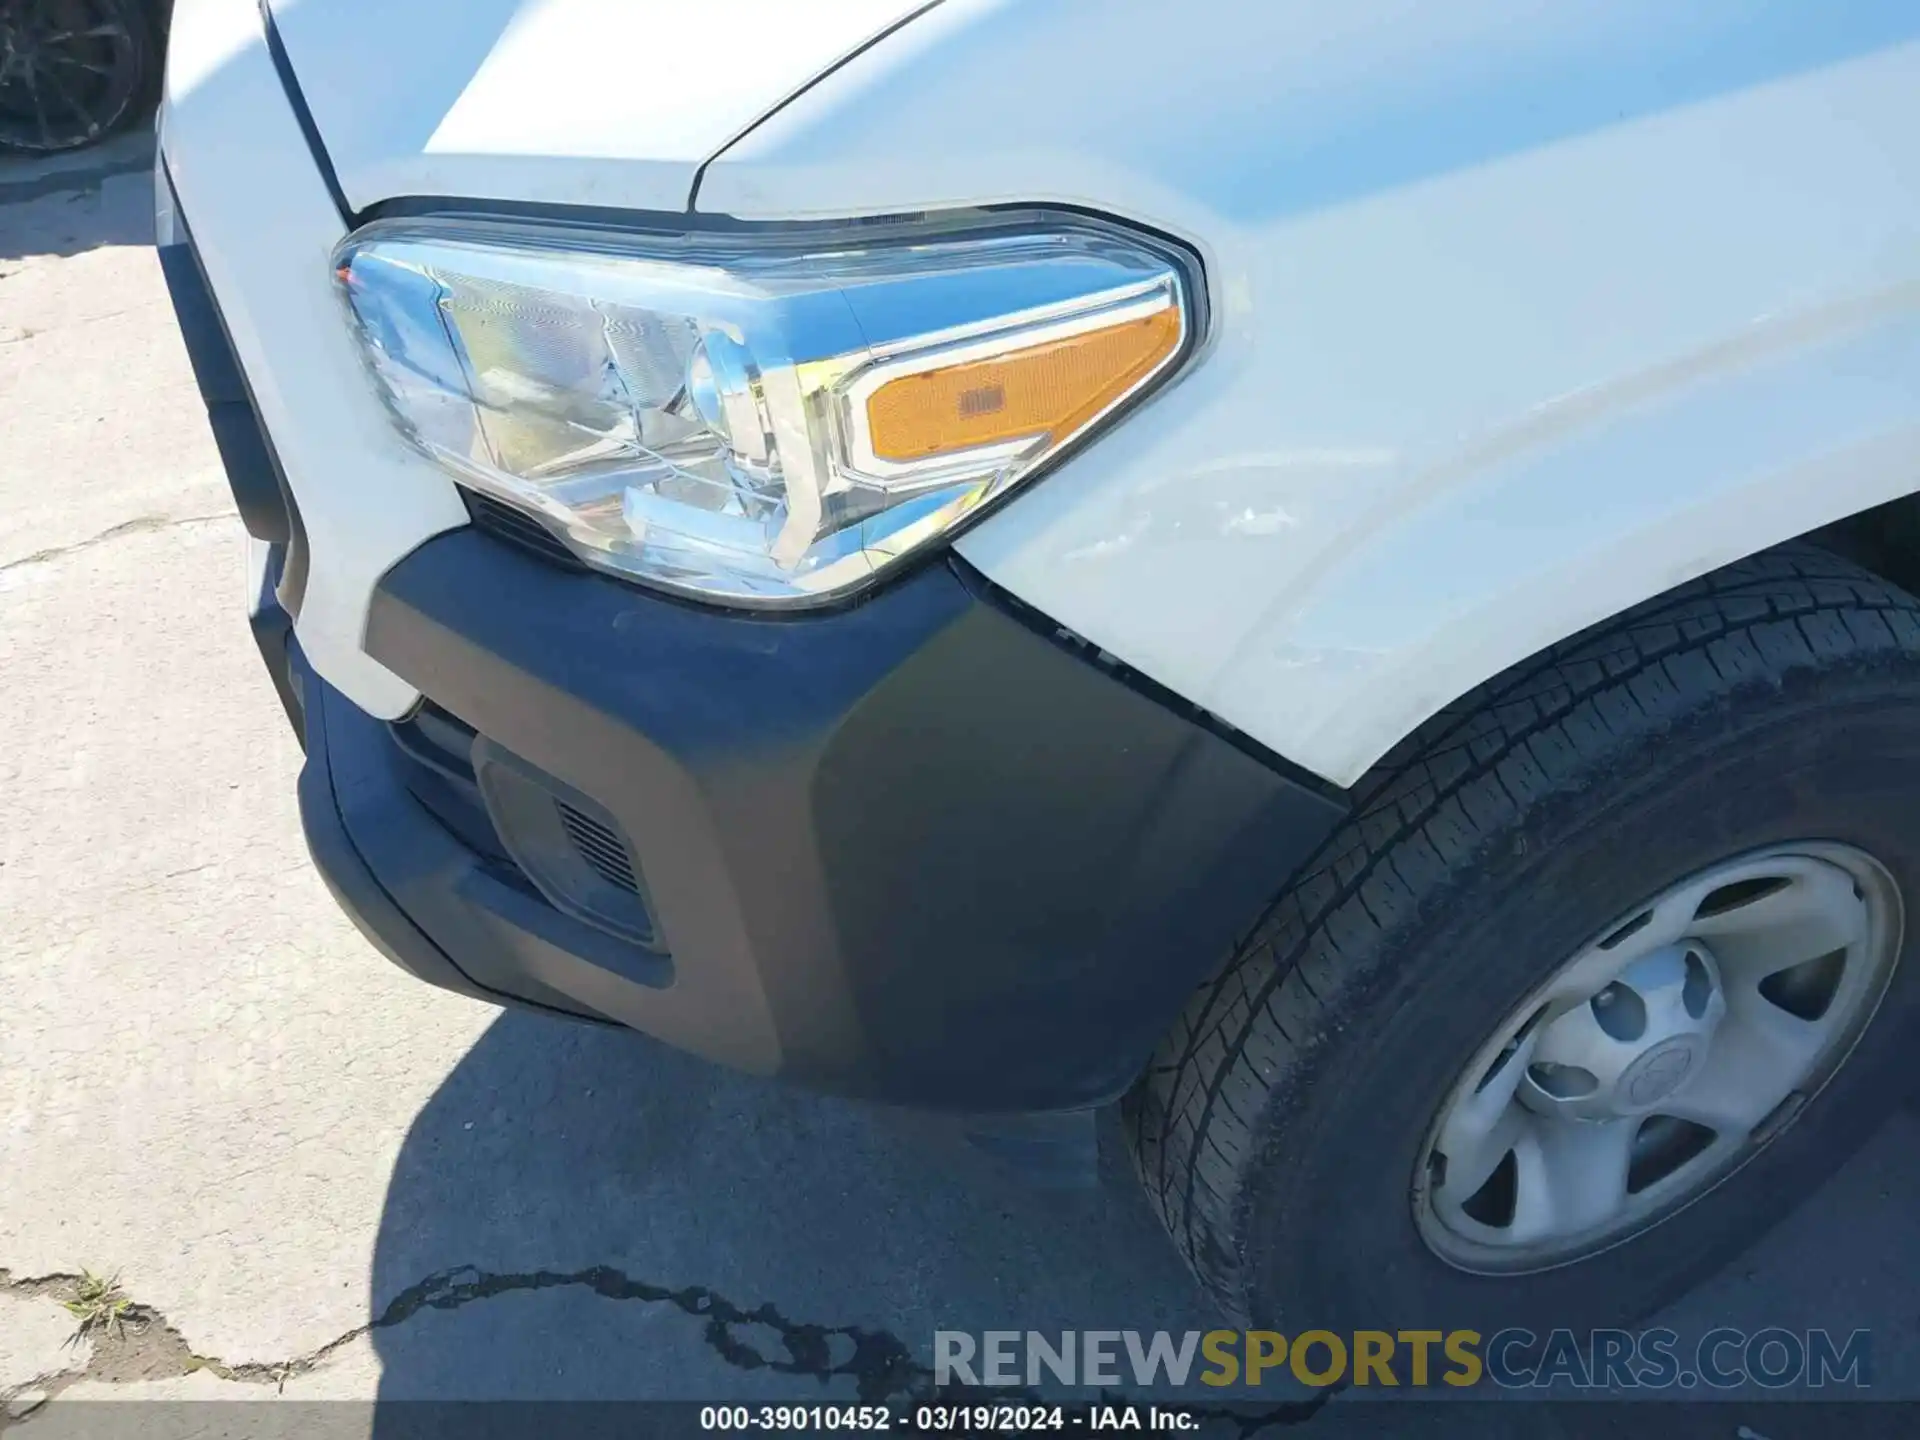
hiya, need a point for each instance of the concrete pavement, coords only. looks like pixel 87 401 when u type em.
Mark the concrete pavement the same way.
pixel 316 1177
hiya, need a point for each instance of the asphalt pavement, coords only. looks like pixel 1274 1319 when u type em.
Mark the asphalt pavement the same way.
pixel 314 1177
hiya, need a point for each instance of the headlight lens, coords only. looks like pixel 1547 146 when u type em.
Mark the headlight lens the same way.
pixel 769 425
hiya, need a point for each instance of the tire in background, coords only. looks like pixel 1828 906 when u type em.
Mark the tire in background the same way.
pixel 73 72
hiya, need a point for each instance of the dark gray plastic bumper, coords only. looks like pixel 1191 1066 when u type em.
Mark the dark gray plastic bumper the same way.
pixel 914 850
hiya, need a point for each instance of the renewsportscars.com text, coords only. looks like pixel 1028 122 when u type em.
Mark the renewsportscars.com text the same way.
pixel 1657 1359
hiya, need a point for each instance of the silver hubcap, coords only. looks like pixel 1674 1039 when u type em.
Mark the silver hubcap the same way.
pixel 1658 1059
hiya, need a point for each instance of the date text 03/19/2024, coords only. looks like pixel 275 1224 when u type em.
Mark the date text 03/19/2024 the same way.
pixel 948 1418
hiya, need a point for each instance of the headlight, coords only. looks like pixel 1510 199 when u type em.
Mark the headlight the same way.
pixel 769 423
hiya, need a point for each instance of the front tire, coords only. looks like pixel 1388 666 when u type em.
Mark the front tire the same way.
pixel 1287 1130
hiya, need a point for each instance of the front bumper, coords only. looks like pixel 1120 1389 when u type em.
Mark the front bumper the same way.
pixel 925 849
pixel 914 851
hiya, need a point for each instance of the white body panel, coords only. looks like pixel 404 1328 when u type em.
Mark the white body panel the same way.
pixel 266 228
pixel 584 102
pixel 416 98
pixel 1523 313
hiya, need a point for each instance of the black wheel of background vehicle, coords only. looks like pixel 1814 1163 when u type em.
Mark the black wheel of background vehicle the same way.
pixel 72 71
pixel 1603 976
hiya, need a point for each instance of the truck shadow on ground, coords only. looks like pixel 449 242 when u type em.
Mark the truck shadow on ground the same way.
pixel 582 1212
pixel 70 204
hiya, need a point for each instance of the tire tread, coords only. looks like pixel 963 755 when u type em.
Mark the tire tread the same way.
pixel 1425 812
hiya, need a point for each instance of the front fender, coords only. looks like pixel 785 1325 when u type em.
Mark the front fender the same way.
pixel 1521 313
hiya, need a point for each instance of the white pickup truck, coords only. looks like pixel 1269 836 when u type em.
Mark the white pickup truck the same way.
pixel 1340 575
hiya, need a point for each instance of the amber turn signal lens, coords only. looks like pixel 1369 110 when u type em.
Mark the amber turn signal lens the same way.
pixel 1052 388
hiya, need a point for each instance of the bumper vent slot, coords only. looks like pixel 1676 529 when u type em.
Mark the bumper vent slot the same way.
pixel 434 756
pixel 600 848
pixel 435 738
pixel 567 844
pixel 517 527
pixel 528 827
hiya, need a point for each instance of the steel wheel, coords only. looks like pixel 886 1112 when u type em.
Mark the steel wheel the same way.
pixel 1659 1059
pixel 70 71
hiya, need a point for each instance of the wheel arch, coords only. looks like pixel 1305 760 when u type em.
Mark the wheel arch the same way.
pixel 1464 581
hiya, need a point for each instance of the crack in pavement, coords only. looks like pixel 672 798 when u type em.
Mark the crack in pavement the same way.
pixel 881 1366
pixel 144 1346
pixel 141 525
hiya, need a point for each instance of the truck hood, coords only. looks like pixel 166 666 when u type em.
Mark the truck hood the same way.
pixel 612 103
